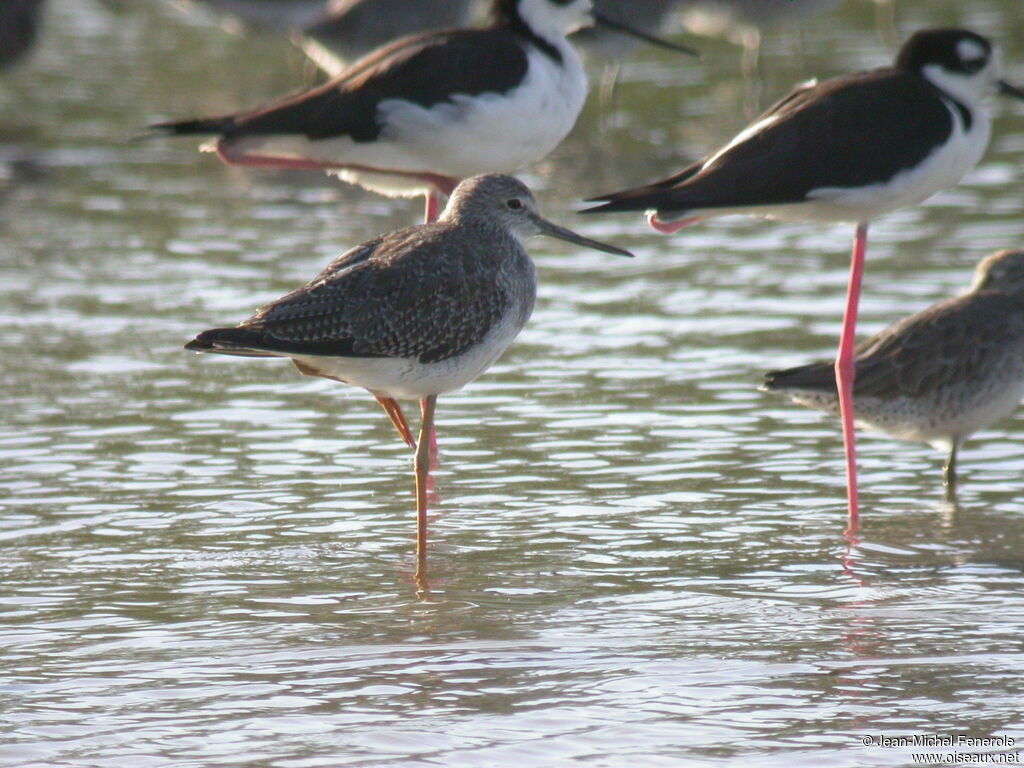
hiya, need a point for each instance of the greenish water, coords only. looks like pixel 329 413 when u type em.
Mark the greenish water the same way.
pixel 636 557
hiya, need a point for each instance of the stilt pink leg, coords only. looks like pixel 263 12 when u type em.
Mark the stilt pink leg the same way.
pixel 845 372
pixel 394 412
pixel 231 156
pixel 423 459
pixel 667 228
pixel 432 207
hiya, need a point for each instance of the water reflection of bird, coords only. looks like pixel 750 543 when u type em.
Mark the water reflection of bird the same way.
pixel 19 26
pixel 937 376
pixel 848 149
pixel 415 313
pixel 418 115
pixel 349 29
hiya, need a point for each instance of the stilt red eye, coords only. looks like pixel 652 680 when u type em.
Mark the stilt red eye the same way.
pixel 514 203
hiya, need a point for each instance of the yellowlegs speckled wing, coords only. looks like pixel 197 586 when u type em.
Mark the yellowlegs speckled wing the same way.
pixel 415 313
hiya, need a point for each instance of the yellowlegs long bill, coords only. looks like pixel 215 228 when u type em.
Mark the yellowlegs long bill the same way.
pixel 415 313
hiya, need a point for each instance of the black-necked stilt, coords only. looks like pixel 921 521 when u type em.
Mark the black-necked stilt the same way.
pixel 937 376
pixel 415 313
pixel 19 25
pixel 847 149
pixel 415 117
pixel 349 29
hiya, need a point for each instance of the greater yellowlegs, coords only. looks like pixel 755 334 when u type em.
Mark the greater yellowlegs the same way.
pixel 848 149
pixel 418 115
pixel 415 313
pixel 937 376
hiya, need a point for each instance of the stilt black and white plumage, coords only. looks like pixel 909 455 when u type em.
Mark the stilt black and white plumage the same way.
pixel 847 149
pixel 420 114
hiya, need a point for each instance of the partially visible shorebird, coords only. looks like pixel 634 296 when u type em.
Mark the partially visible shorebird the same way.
pixel 743 22
pixel 415 313
pixel 269 15
pixel 849 149
pixel 417 116
pixel 609 48
pixel 19 26
pixel 937 376
pixel 350 29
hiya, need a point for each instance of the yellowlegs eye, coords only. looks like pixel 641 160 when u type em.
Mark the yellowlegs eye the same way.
pixel 514 203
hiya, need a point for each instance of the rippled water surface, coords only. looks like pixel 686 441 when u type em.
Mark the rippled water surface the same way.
pixel 637 558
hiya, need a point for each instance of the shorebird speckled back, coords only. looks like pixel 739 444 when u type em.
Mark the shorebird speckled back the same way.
pixel 937 376
pixel 414 313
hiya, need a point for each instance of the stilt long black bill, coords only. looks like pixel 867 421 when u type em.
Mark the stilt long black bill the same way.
pixel 604 21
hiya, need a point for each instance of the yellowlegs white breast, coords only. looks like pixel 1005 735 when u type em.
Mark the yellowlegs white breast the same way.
pixel 415 313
